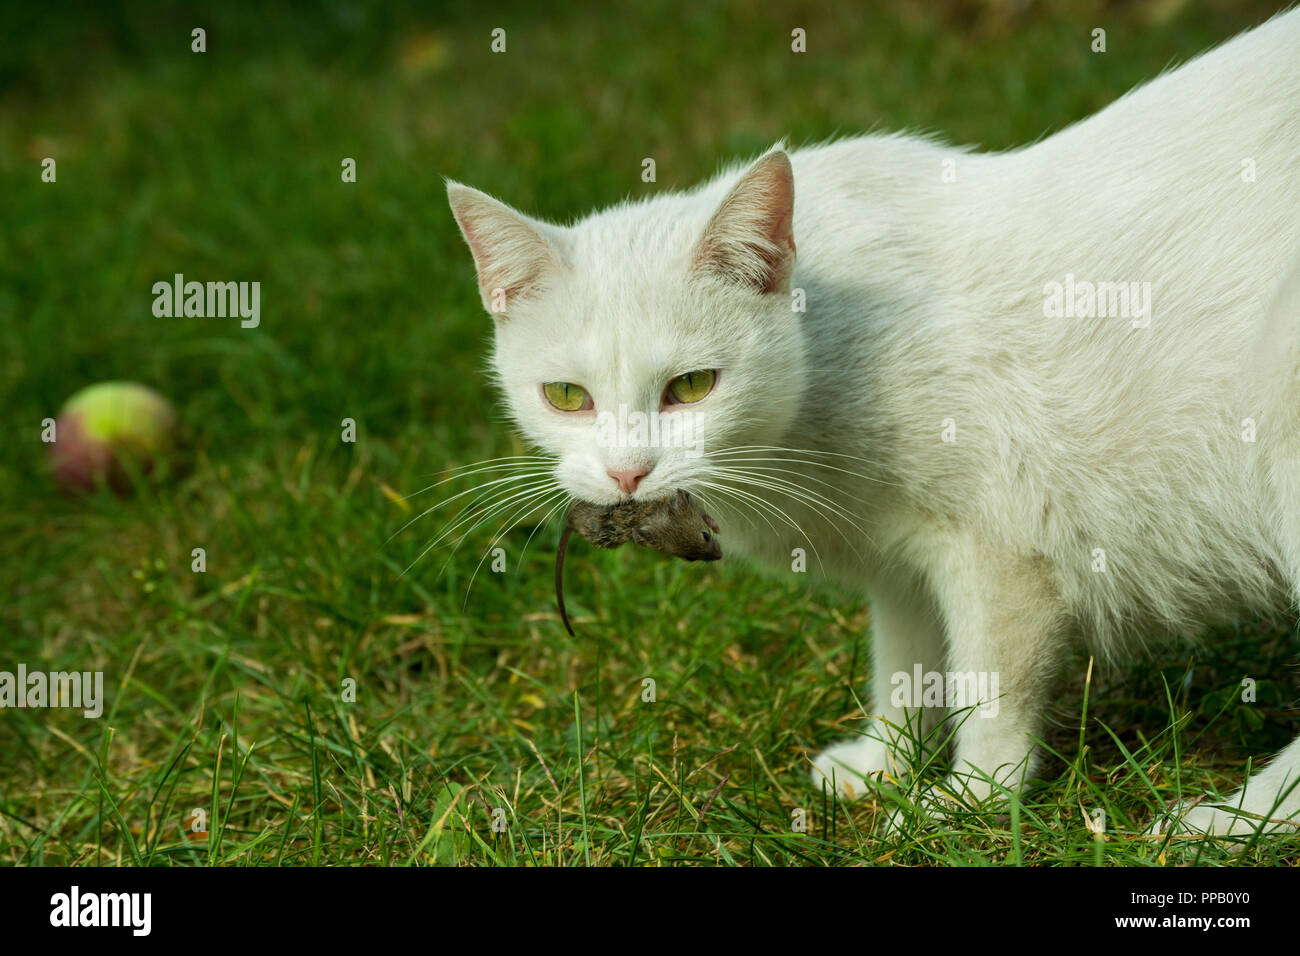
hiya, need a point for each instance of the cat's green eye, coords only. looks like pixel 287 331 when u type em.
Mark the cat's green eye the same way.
pixel 691 387
pixel 566 397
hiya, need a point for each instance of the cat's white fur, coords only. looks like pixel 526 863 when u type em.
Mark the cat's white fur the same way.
pixel 1100 484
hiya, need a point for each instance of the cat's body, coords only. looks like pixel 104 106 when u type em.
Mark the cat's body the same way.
pixel 1002 481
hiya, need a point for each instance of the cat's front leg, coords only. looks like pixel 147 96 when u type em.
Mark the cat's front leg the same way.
pixel 1006 626
pixel 906 634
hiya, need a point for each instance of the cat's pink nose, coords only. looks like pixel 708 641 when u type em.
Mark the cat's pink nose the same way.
pixel 628 478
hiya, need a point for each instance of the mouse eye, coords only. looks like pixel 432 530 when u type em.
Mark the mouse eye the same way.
pixel 705 536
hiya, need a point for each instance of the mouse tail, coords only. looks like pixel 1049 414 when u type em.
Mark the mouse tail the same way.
pixel 559 577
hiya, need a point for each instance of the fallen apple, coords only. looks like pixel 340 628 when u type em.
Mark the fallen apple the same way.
pixel 106 431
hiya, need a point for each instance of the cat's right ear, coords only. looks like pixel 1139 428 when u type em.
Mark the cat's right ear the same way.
pixel 513 257
pixel 750 239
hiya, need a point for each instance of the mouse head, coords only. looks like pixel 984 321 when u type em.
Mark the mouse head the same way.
pixel 677 527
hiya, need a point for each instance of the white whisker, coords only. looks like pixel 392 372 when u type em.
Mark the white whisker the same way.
pixel 475 467
pixel 529 505
pixel 497 504
pixel 468 491
pixel 779 512
pixel 824 507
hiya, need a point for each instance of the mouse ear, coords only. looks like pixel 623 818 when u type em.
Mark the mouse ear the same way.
pixel 680 504
pixel 713 525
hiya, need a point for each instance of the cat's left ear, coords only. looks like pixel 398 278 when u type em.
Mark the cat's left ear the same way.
pixel 750 239
pixel 513 256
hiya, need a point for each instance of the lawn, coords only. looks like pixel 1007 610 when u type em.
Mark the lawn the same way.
pixel 331 690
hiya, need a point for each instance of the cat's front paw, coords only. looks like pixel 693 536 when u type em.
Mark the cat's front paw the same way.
pixel 843 767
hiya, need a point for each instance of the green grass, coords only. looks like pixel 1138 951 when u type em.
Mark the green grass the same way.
pixel 225 688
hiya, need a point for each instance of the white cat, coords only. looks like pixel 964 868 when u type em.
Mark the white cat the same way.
pixel 1019 398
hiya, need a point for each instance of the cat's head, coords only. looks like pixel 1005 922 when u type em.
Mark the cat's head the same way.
pixel 637 342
